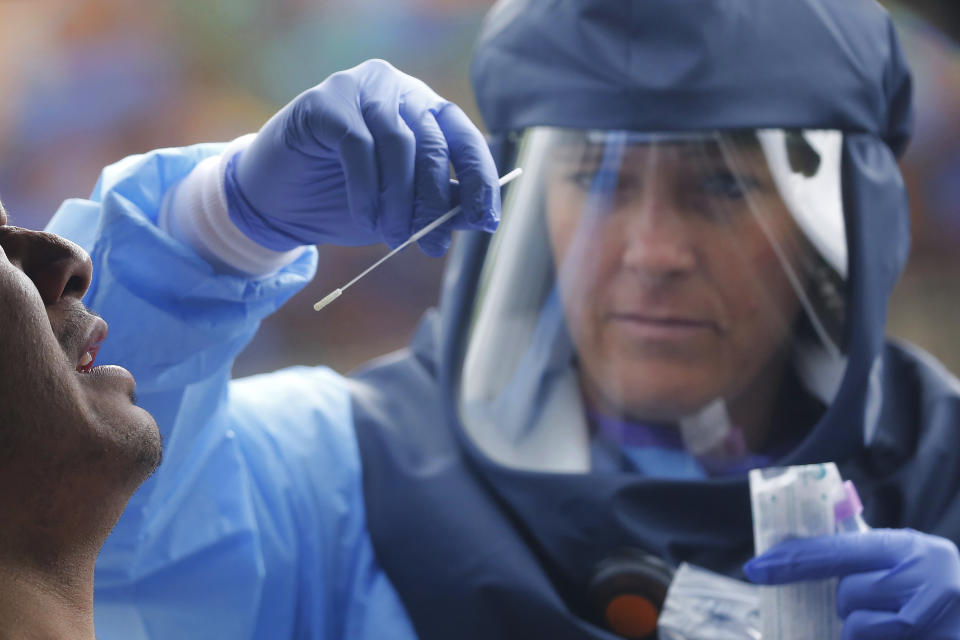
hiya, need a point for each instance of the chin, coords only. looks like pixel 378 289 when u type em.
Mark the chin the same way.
pixel 150 449
pixel 145 447
pixel 662 402
pixel 131 435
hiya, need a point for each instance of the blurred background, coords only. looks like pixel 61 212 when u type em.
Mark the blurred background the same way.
pixel 86 82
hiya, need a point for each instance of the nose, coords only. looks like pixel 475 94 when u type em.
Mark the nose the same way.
pixel 659 244
pixel 58 268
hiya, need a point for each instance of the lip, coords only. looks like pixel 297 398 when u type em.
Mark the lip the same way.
pixel 109 378
pixel 96 334
pixel 111 372
pixel 665 326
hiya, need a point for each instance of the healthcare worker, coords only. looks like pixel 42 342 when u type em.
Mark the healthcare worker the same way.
pixel 690 280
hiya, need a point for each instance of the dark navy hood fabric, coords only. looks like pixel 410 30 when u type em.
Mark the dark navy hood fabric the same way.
pixel 667 65
pixel 480 551
pixel 472 561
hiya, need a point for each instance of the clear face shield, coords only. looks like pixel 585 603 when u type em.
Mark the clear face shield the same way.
pixel 665 304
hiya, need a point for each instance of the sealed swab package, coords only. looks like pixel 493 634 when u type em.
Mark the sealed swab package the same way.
pixel 703 605
pixel 796 502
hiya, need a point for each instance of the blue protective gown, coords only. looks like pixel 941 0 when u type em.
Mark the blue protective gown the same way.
pixel 258 524
pixel 254 527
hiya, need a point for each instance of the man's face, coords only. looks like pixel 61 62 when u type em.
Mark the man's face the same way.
pixel 60 416
pixel 673 293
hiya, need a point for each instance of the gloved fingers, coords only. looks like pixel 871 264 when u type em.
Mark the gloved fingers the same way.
pixel 933 611
pixel 875 625
pixel 435 243
pixel 828 556
pixel 331 114
pixel 459 221
pixel 432 176
pixel 438 240
pixel 395 147
pixel 474 166
pixel 881 590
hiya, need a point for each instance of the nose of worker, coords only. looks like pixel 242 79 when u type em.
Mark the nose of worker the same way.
pixel 56 266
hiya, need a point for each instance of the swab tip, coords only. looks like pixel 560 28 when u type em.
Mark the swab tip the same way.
pixel 330 297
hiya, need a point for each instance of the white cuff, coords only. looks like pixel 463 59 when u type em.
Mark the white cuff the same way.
pixel 195 213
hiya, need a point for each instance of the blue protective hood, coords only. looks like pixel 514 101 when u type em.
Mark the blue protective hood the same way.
pixel 478 550
pixel 663 65
pixel 703 64
pixel 696 64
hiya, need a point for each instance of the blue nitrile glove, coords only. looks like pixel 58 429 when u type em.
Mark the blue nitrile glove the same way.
pixel 894 583
pixel 362 158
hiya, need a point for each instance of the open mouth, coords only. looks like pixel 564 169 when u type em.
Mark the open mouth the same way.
pixel 87 359
pixel 88 353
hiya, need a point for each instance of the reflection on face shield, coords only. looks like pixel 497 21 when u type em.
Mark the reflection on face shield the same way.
pixel 676 286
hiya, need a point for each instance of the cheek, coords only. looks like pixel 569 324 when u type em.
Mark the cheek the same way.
pixel 563 207
pixel 24 326
pixel 586 257
pixel 758 296
pixel 31 359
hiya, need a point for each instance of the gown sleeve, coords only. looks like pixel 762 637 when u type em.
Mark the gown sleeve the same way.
pixel 253 526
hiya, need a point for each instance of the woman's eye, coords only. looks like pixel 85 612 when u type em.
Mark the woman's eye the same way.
pixel 728 185
pixel 629 183
pixel 582 179
pixel 593 180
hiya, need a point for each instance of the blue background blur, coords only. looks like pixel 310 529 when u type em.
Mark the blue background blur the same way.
pixel 86 82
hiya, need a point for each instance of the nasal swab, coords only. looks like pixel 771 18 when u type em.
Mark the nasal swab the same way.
pixel 336 293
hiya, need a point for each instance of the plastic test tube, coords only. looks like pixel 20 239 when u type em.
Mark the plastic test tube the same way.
pixel 847 511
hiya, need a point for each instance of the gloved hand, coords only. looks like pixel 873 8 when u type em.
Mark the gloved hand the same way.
pixel 362 158
pixel 894 583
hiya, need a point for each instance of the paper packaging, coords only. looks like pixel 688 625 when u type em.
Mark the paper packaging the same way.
pixel 796 502
pixel 703 605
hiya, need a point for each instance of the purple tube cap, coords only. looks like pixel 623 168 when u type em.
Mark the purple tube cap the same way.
pixel 850 505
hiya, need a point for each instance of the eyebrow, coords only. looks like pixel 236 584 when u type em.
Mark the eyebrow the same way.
pixel 593 154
